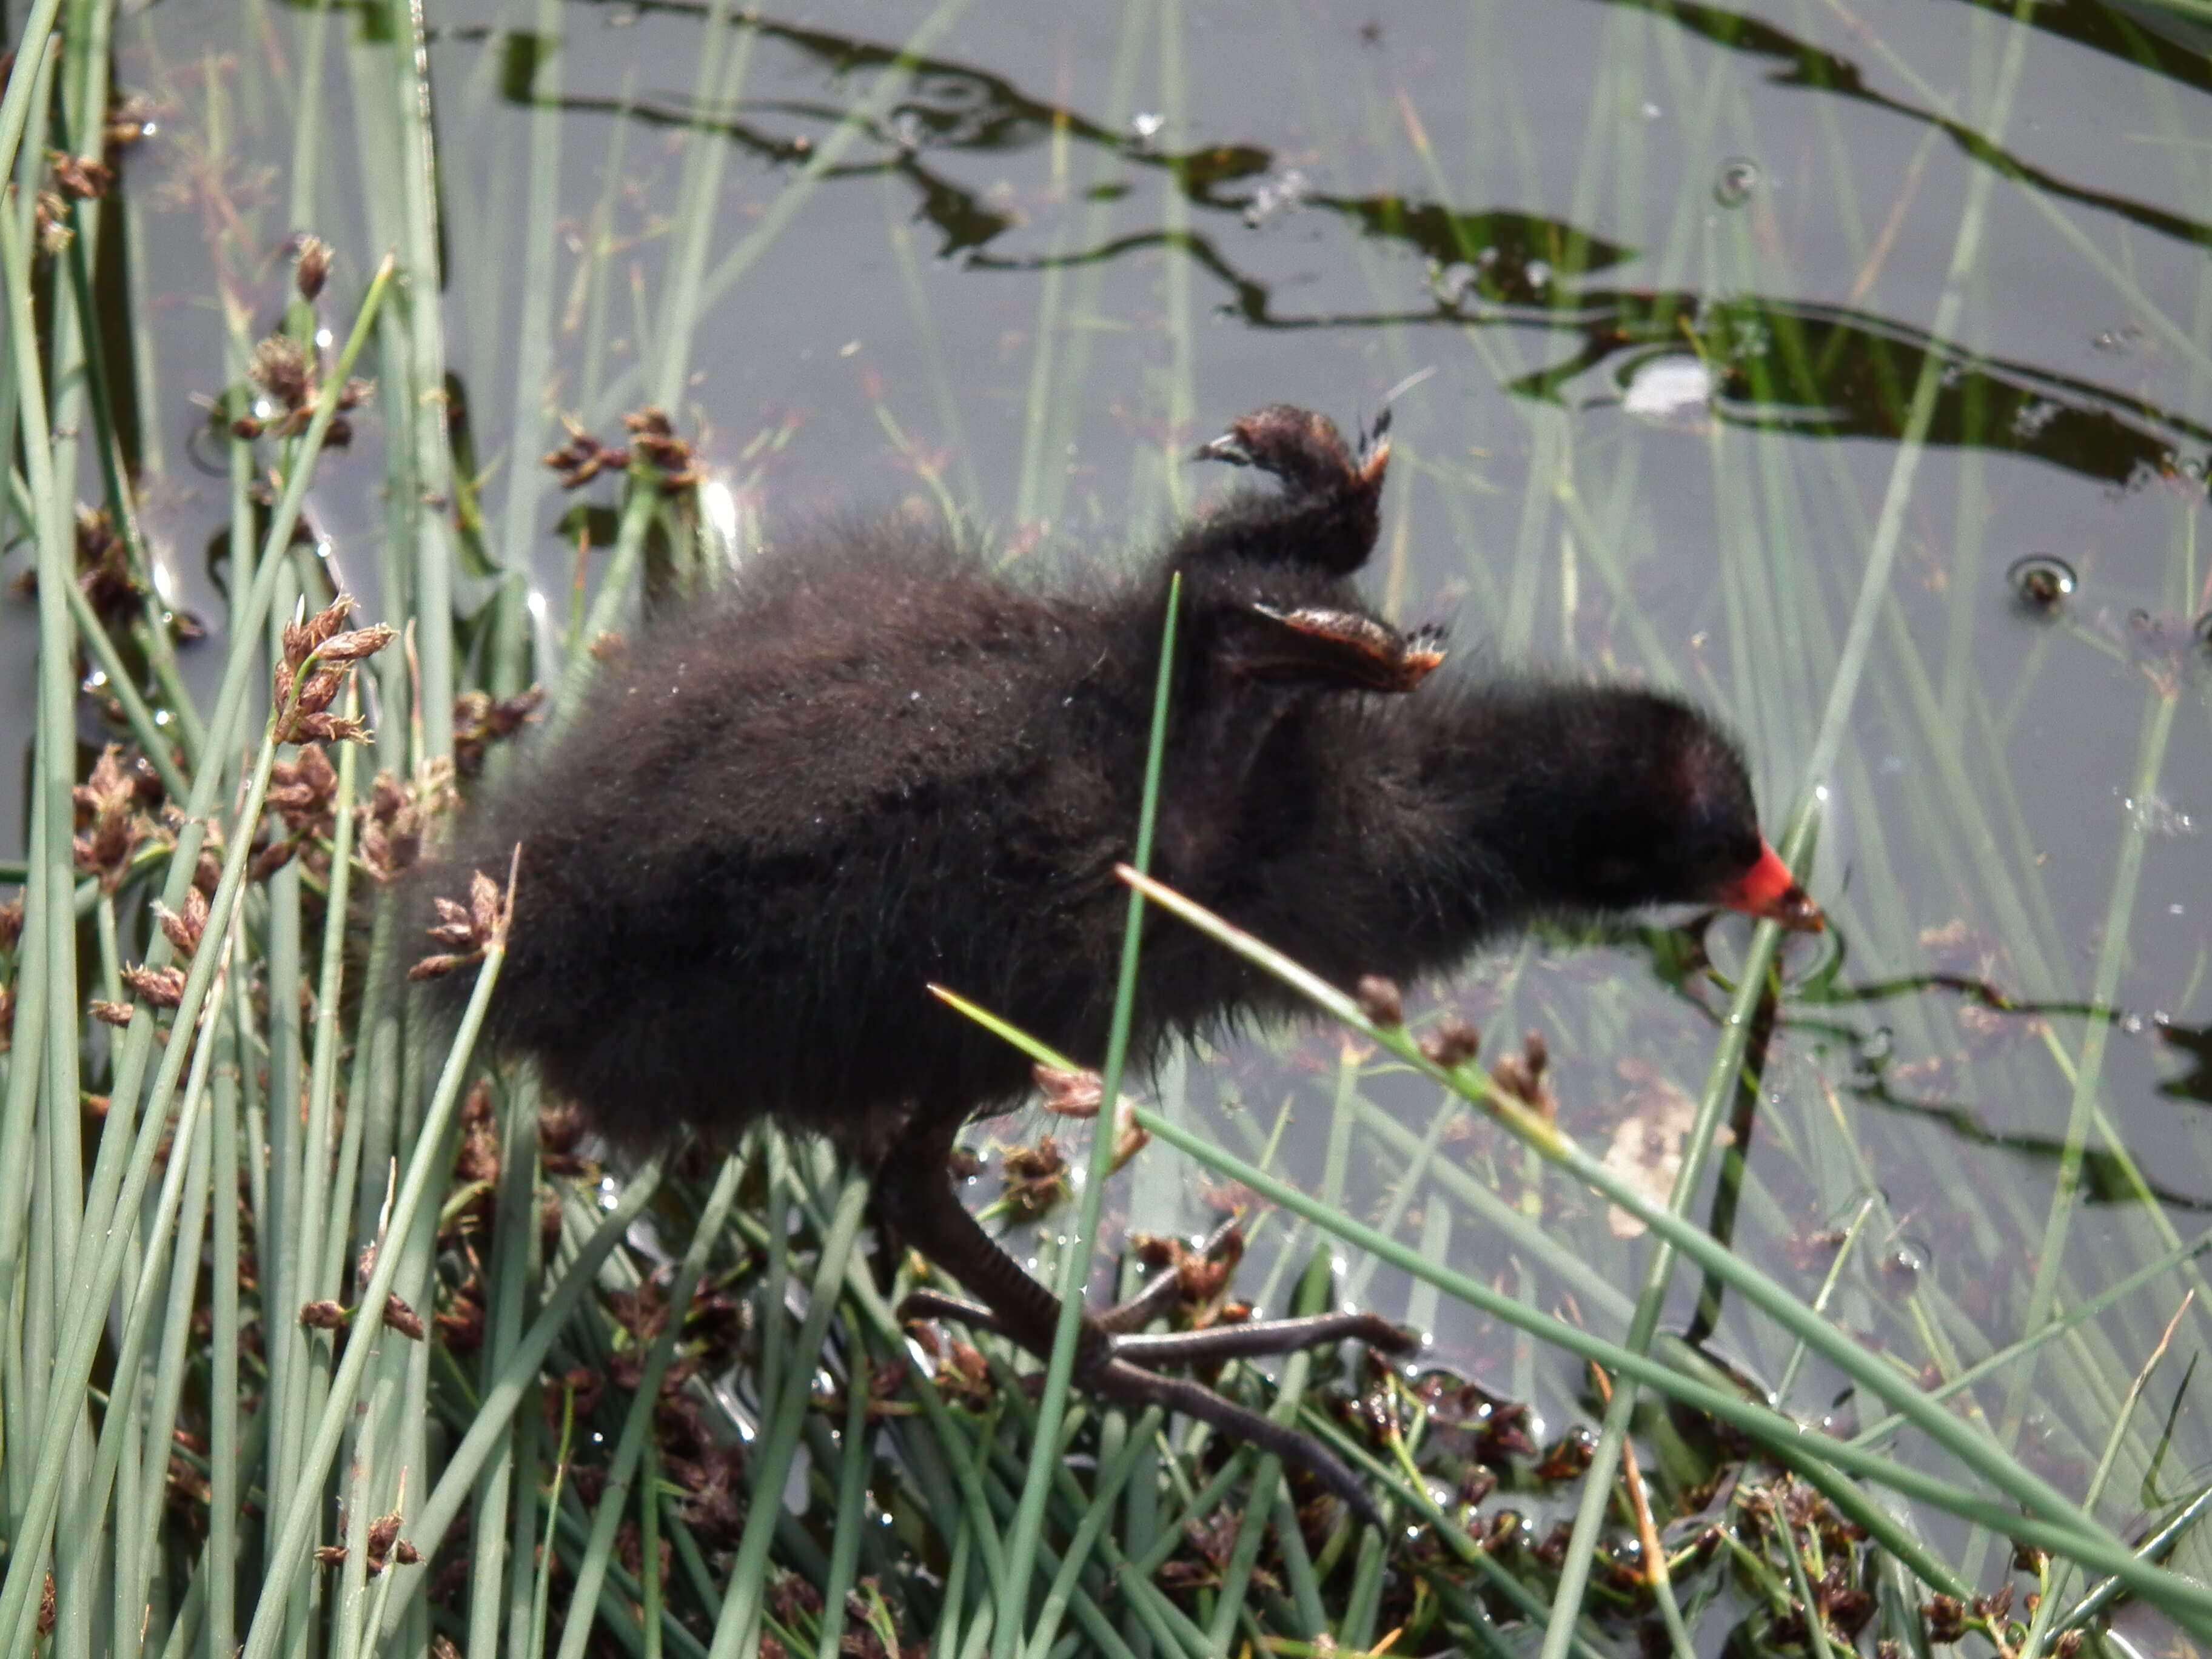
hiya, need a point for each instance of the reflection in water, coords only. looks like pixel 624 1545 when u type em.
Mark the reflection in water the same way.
pixel 2105 1176
pixel 1679 959
pixel 1833 372
pixel 1815 67
pixel 1779 365
pixel 2195 1042
pixel 2165 40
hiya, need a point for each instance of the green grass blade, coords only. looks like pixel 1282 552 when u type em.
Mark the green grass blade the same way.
pixel 737 1632
pixel 1075 1273
pixel 290 1553
pixel 591 1571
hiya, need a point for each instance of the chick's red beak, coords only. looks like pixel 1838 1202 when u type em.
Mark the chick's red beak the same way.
pixel 1770 892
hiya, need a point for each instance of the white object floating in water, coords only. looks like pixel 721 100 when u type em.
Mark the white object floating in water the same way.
pixel 1667 388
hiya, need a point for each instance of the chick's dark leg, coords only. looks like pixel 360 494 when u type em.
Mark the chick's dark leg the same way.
pixel 914 1197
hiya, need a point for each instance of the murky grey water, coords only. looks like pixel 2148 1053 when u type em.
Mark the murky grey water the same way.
pixel 1679 271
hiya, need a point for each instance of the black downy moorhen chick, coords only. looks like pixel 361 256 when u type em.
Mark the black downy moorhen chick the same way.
pixel 879 763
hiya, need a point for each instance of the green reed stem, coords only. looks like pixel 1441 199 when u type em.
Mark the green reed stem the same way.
pixel 1082 1238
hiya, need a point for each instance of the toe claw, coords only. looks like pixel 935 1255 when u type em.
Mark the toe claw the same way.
pixel 1227 447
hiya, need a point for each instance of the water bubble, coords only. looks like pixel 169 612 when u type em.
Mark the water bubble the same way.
pixel 2044 581
pixel 1735 180
pixel 1277 193
pixel 1904 1262
pixel 2154 815
pixel 1879 1044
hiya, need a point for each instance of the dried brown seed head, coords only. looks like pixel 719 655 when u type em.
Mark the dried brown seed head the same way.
pixel 312 268
pixel 1451 1043
pixel 480 721
pixel 583 458
pixel 302 639
pixel 328 728
pixel 274 857
pixel 1033 1179
pixel 1947 1619
pixel 107 813
pixel 393 838
pixel 1155 1249
pixel 107 789
pixel 163 987
pixel 82 178
pixel 1070 1094
pixel 303 791
pixel 1379 1000
pixel 361 642
pixel 184 930
pixel 1521 1076
pixel 483 905
pixel 51 214
pixel 129 120
pixel 453 926
pixel 318 690
pixel 280 367
pixel 103 562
